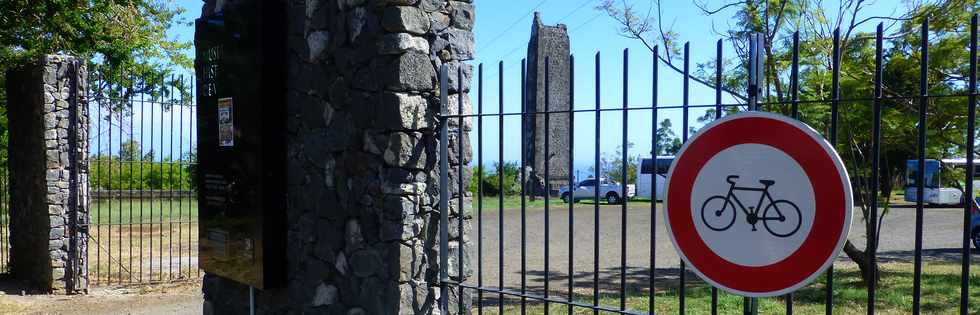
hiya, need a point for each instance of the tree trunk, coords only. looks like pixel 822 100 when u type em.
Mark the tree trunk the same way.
pixel 862 259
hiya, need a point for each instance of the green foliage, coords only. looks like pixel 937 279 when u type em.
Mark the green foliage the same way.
pixel 612 166
pixel 113 173
pixel 492 177
pixel 128 35
pixel 667 142
pixel 124 41
pixel 131 170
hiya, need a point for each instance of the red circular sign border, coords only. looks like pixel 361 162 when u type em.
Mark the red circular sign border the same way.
pixel 820 247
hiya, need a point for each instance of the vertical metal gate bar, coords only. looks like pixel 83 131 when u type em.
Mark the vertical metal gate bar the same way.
pixel 795 91
pixel 444 189
pixel 132 169
pixel 459 179
pixel 654 101
pixel 749 304
pixel 834 115
pixel 547 181
pixel 152 161
pixel 921 167
pixel 500 184
pixel 524 146
pixel 168 95
pixel 479 190
pixel 872 231
pixel 170 200
pixel 718 85
pixel 70 270
pixel 596 169
pixel 623 181
pixel 180 184
pixel 571 182
pixel 971 138
pixel 97 183
pixel 108 201
pixel 142 187
pixel 684 122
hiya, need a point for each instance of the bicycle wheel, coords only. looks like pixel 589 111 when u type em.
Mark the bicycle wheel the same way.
pixel 784 220
pixel 718 213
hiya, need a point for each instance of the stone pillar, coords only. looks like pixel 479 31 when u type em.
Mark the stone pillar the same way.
pixel 363 178
pixel 549 43
pixel 48 147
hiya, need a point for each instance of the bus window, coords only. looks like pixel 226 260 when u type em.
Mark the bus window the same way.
pixel 660 166
pixel 931 175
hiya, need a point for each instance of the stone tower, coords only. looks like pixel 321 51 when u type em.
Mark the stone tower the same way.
pixel 548 43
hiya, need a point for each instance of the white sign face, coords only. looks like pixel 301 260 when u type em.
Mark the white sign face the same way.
pixel 758 204
pixel 724 210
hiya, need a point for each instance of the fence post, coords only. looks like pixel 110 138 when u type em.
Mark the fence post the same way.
pixel 48 174
pixel 756 72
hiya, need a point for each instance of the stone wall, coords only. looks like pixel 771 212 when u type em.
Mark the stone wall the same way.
pixel 43 111
pixel 548 43
pixel 363 177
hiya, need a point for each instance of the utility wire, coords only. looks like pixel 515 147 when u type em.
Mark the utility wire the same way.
pixel 576 10
pixel 573 31
pixel 512 25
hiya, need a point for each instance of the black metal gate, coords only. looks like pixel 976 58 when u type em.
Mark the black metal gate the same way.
pixel 141 155
pixel 632 287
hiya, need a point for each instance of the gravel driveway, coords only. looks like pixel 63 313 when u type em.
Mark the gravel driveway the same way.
pixel 941 240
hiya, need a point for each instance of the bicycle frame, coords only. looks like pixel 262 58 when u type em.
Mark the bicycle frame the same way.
pixel 755 212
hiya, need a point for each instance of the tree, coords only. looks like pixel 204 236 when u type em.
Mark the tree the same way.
pixel 128 36
pixel 612 166
pixel 130 151
pixel 667 141
pixel 777 20
pixel 124 42
pixel 491 179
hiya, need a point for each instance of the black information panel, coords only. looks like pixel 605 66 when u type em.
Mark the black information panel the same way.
pixel 241 145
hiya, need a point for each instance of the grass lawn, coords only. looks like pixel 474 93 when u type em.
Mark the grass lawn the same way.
pixel 940 295
pixel 143 240
pixel 492 203
pixel 124 211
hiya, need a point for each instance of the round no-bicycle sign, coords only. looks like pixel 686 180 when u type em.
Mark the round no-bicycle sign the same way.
pixel 758 204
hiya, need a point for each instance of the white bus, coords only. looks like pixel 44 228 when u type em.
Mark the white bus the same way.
pixel 934 192
pixel 652 168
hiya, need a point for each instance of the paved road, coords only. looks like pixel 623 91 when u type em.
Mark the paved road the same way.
pixel 941 240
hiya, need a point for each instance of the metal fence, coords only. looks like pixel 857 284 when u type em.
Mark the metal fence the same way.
pixel 143 225
pixel 608 291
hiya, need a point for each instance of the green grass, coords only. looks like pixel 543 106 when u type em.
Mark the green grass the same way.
pixel 123 211
pixel 940 295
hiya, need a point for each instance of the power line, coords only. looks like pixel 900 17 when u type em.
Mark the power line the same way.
pixel 580 6
pixel 587 22
pixel 512 25
pixel 579 27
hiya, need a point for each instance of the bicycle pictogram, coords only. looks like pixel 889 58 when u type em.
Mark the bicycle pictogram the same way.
pixel 781 218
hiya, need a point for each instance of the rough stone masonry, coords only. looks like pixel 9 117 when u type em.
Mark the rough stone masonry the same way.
pixel 548 43
pixel 362 159
pixel 47 163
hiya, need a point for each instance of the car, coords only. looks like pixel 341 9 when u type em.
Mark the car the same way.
pixel 611 191
pixel 975 223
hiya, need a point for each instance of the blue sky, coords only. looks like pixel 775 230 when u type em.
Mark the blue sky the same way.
pixel 590 31
pixel 503 29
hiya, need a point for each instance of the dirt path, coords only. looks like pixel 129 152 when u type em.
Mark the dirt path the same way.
pixel 181 298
